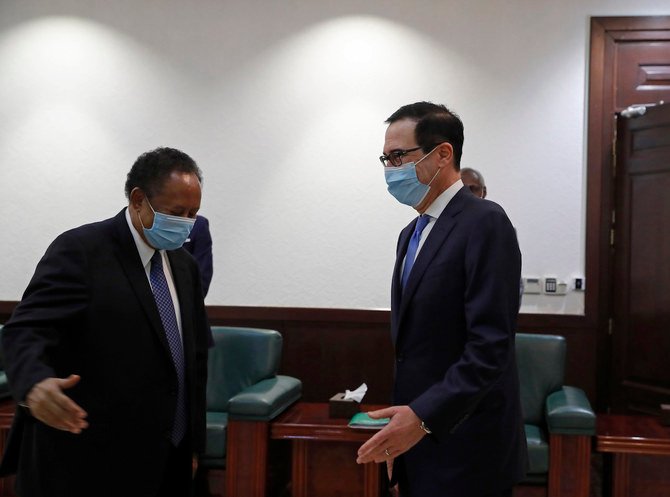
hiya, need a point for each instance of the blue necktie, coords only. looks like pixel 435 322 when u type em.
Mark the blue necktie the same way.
pixel 161 292
pixel 413 247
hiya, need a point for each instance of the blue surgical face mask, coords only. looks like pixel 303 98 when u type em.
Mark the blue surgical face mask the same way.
pixel 404 184
pixel 168 232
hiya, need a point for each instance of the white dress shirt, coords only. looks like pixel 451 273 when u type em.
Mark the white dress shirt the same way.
pixel 146 253
pixel 434 211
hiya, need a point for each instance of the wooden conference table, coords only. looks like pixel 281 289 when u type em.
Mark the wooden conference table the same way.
pixel 634 443
pixel 324 453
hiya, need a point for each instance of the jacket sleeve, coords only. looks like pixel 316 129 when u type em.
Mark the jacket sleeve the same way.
pixel 56 295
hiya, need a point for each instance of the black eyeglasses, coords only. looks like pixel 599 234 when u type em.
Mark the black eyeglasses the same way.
pixel 394 159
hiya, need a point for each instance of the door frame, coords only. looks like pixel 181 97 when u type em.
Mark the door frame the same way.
pixel 600 187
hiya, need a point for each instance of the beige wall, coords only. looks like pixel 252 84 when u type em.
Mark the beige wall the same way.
pixel 282 104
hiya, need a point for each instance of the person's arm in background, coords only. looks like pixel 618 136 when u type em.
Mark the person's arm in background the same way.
pixel 200 247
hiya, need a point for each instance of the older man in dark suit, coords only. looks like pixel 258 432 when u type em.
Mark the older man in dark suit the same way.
pixel 107 351
pixel 456 427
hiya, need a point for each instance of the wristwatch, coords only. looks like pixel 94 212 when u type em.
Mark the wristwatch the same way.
pixel 425 428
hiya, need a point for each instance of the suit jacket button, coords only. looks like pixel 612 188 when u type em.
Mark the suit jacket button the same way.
pixel 400 358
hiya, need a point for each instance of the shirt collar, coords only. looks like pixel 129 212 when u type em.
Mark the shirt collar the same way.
pixel 440 203
pixel 146 251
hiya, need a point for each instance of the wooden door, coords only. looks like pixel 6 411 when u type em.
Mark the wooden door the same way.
pixel 629 64
pixel 641 280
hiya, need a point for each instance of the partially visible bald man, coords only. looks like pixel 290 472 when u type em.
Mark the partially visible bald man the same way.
pixel 474 180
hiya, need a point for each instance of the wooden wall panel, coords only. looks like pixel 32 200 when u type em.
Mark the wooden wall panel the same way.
pixel 334 349
pixel 330 350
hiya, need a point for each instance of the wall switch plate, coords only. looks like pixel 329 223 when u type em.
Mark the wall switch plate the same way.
pixel 578 284
pixel 552 286
pixel 531 286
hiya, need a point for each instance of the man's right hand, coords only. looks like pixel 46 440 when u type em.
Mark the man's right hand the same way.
pixel 49 404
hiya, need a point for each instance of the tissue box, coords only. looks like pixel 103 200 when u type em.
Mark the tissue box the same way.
pixel 341 408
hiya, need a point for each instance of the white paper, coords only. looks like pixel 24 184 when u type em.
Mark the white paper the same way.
pixel 357 394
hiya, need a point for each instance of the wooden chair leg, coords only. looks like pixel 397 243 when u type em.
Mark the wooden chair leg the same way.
pixel 246 458
pixel 210 482
pixel 569 466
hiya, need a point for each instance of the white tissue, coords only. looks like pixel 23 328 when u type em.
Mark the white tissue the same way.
pixel 357 394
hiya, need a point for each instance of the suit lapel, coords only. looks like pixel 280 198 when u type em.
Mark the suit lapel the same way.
pixel 396 285
pixel 436 238
pixel 132 267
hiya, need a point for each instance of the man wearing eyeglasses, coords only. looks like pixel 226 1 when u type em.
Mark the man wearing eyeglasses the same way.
pixel 456 426
pixel 474 180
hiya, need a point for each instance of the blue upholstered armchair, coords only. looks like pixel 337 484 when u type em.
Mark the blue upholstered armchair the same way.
pixel 558 419
pixel 244 392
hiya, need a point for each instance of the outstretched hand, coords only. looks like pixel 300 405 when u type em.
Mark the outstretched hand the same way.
pixel 49 404
pixel 396 438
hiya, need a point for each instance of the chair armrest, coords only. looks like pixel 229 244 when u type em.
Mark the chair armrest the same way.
pixel 4 386
pixel 266 399
pixel 569 413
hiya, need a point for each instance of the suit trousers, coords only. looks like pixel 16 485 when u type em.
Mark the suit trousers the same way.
pixel 177 480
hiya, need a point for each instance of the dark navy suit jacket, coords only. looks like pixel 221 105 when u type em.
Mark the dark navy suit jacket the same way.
pixel 453 331
pixel 89 310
